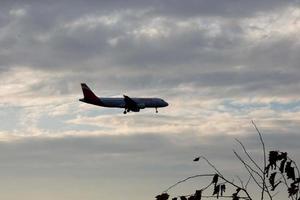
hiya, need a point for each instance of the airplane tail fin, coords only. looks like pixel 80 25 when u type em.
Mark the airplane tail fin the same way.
pixel 88 93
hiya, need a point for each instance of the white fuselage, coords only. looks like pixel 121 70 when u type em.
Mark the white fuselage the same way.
pixel 143 102
pixel 130 104
pixel 120 102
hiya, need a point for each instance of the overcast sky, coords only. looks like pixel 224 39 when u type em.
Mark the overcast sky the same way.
pixel 219 64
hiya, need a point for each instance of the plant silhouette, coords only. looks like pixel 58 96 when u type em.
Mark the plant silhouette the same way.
pixel 278 169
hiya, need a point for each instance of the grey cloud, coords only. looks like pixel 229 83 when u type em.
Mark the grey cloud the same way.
pixel 151 62
pixel 212 58
pixel 225 8
pixel 161 159
pixel 146 154
pixel 67 50
pixel 177 148
pixel 171 7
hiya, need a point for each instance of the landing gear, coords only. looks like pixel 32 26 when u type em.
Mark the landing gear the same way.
pixel 156 110
pixel 126 111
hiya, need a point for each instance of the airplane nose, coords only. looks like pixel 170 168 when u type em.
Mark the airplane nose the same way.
pixel 166 104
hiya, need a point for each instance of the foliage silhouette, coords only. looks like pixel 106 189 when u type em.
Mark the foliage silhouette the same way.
pixel 278 169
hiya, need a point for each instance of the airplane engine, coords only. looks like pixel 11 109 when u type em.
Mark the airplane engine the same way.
pixel 141 106
pixel 135 109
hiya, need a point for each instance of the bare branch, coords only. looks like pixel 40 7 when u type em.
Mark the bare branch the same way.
pixel 248 182
pixel 236 186
pixel 211 165
pixel 275 194
pixel 211 196
pixel 203 189
pixel 226 180
pixel 246 152
pixel 191 177
pixel 256 172
pixel 249 169
pixel 265 160
pixel 241 181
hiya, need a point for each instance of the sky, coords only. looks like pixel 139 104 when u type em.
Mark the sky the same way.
pixel 219 65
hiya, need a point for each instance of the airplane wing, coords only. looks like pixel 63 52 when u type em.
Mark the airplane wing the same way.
pixel 130 103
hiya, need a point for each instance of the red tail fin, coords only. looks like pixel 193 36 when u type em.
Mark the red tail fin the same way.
pixel 87 93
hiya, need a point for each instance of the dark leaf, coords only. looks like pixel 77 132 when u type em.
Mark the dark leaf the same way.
pixel 287 166
pixel 282 156
pixel 183 198
pixel 196 159
pixel 215 179
pixel 281 168
pixel 290 171
pixel 292 190
pixel 163 196
pixel 273 157
pixel 267 169
pixel 223 188
pixel 235 196
pixel 272 180
pixel 191 198
pixel 198 195
pixel 297 181
pixel 217 190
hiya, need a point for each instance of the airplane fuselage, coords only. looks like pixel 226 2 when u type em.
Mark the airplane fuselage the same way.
pixel 120 102
pixel 128 103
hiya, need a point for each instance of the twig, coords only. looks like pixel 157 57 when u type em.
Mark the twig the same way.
pixel 226 180
pixel 241 181
pixel 265 160
pixel 211 165
pixel 248 168
pixel 246 152
pixel 236 186
pixel 256 172
pixel 248 182
pixel 203 189
pixel 191 177
pixel 275 194
pixel 211 196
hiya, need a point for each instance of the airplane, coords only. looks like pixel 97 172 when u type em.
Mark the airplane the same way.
pixel 128 103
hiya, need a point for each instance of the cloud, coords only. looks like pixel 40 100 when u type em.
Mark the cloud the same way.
pixel 218 64
pixel 142 51
pixel 144 159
